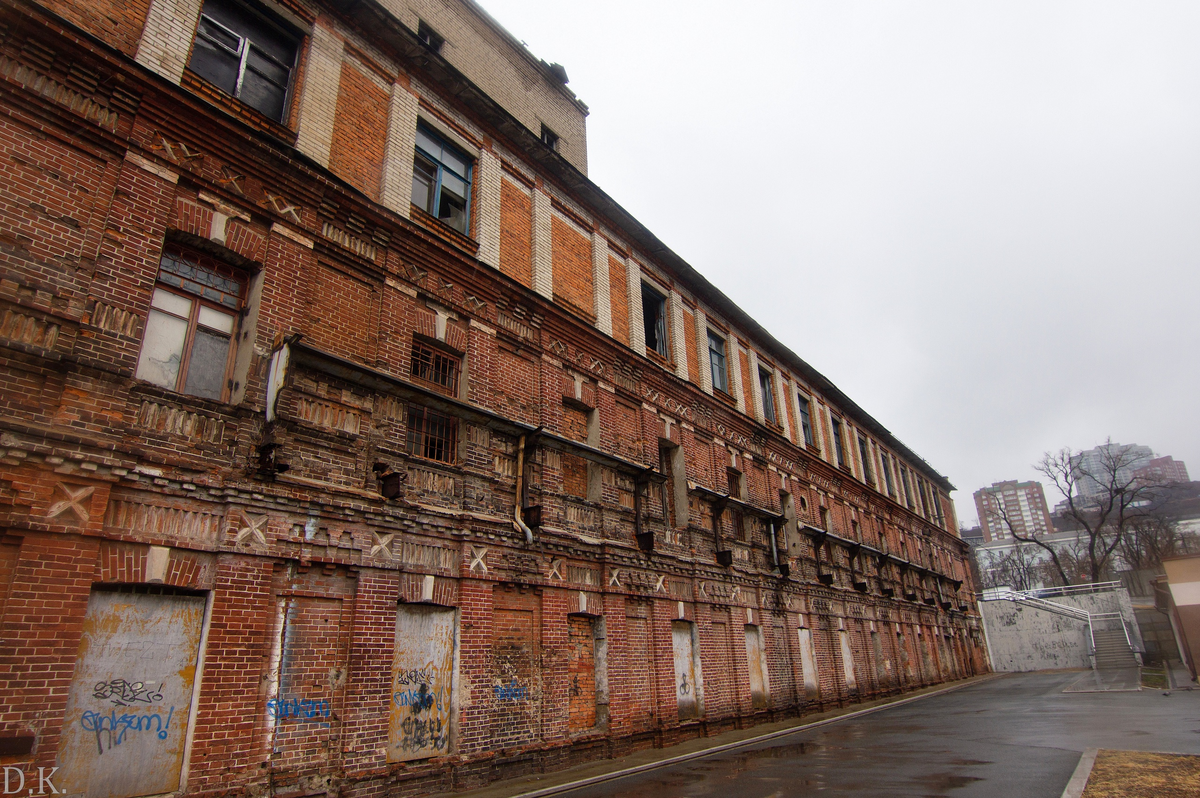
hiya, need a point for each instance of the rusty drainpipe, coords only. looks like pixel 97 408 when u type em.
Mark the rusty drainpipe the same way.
pixel 518 523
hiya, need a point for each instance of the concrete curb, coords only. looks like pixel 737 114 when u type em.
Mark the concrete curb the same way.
pixel 1079 778
pixel 662 763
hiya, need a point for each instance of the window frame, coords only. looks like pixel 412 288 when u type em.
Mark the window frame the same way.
pixel 864 451
pixel 806 427
pixel 198 302
pixel 440 172
pixel 662 347
pixel 419 415
pixel 887 474
pixel 839 443
pixel 766 387
pixel 246 43
pixel 437 355
pixel 723 354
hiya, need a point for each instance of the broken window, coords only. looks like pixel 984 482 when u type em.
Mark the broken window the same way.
pixel 837 442
pixel 805 419
pixel 716 359
pixel 766 385
pixel 441 180
pixel 864 452
pixel 246 53
pixel 429 37
pixel 549 138
pixel 654 320
pixel 194 312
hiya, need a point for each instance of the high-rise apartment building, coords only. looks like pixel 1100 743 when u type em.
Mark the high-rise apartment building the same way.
pixel 1012 507
pixel 1162 469
pixel 353 442
pixel 1095 467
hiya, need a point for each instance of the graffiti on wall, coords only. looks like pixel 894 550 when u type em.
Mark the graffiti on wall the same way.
pixel 422 682
pixel 129 701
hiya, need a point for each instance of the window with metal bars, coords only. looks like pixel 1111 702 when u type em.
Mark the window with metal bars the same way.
pixel 435 368
pixel 432 435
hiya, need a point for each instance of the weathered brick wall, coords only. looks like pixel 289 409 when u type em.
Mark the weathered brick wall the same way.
pixel 108 480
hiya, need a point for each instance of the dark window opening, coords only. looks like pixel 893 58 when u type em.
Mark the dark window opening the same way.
pixel 734 482
pixel 549 138
pixel 767 387
pixel 837 442
pixel 189 339
pixel 887 474
pixel 246 53
pixel 435 367
pixel 441 180
pixel 429 37
pixel 432 435
pixel 654 320
pixel 865 452
pixel 806 420
pixel 717 360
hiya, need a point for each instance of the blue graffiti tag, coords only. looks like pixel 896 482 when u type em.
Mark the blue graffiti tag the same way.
pixel 510 692
pixel 304 710
pixel 418 700
pixel 113 726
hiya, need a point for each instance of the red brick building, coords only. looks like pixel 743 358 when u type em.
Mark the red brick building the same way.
pixel 354 442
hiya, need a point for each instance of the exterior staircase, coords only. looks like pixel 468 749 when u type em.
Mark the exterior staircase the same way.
pixel 1112 650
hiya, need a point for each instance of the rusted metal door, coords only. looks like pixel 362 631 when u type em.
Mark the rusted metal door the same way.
pixel 581 673
pixel 686 671
pixel 756 663
pixel 127 714
pixel 808 662
pixel 422 682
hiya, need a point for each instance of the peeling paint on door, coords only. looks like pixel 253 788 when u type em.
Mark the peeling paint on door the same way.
pixel 687 671
pixel 125 726
pixel 757 664
pixel 422 682
pixel 808 662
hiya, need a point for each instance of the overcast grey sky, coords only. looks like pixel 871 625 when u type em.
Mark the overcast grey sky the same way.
pixel 981 220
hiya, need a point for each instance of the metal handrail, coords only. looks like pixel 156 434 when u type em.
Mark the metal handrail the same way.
pixel 1078 613
pixel 1073 590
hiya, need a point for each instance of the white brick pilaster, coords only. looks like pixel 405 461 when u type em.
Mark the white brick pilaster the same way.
pixel 318 98
pixel 735 373
pixel 781 404
pixel 488 223
pixel 678 337
pixel 167 37
pixel 396 192
pixel 637 329
pixel 600 284
pixel 543 245
pixel 705 361
pixel 755 388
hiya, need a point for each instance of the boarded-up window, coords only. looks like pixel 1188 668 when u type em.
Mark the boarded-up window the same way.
pixel 422 682
pixel 351 331
pixel 847 661
pixel 516 233
pixel 688 687
pixel 618 288
pixel 304 708
pixel 581 672
pixel 131 694
pixel 756 663
pixel 808 663
pixel 572 254
pixel 575 476
pixel 641 668
pixel 516 668
pixel 357 152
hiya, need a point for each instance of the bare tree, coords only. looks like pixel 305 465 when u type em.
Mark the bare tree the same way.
pixel 1017 568
pixel 1106 518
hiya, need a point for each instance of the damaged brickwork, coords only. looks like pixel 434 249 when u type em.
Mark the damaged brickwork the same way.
pixel 307 489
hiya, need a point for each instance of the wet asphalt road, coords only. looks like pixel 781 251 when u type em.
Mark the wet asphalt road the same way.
pixel 1014 737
